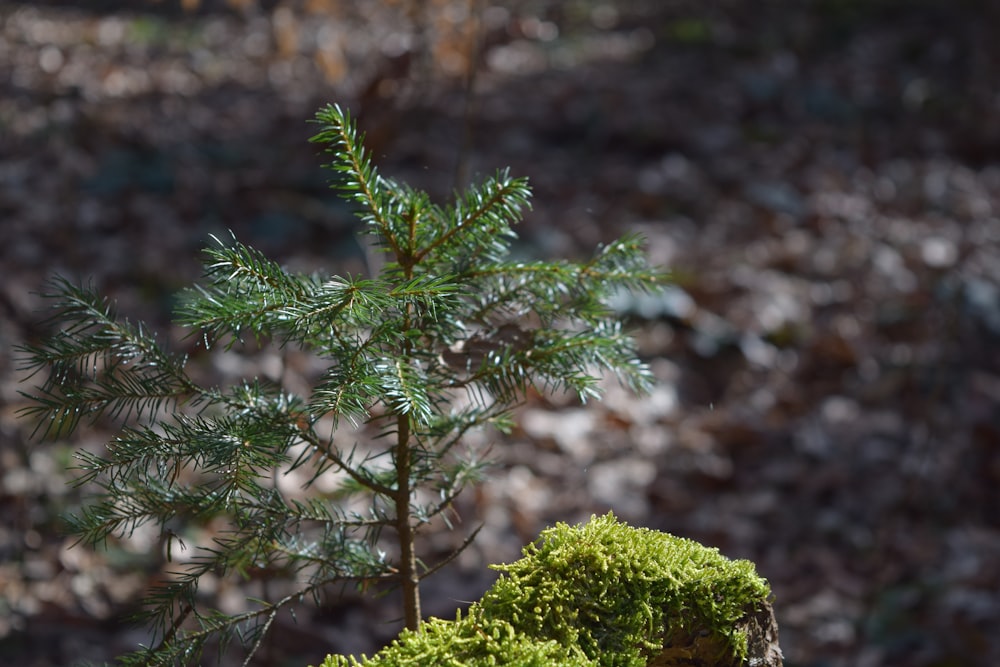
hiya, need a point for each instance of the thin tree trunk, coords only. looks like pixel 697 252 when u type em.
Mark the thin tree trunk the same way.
pixel 408 575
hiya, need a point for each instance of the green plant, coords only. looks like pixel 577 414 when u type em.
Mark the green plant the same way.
pixel 447 338
pixel 603 594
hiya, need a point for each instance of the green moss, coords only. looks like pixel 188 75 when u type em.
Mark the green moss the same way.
pixel 468 641
pixel 602 593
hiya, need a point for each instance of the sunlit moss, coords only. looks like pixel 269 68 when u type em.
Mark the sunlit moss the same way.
pixel 602 593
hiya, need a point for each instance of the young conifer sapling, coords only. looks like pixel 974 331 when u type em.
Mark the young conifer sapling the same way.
pixel 447 338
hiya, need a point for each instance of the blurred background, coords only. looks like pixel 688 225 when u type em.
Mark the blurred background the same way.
pixel 822 177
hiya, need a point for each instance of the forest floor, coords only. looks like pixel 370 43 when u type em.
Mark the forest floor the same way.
pixel 823 179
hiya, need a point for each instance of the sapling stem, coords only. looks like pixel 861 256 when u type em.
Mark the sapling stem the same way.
pixel 408 576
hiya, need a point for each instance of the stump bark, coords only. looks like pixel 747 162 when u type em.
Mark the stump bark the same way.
pixel 695 645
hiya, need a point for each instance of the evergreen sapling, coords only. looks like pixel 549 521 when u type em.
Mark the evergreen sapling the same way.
pixel 446 339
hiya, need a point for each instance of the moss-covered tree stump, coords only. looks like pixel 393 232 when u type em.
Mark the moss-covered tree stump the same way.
pixel 604 593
